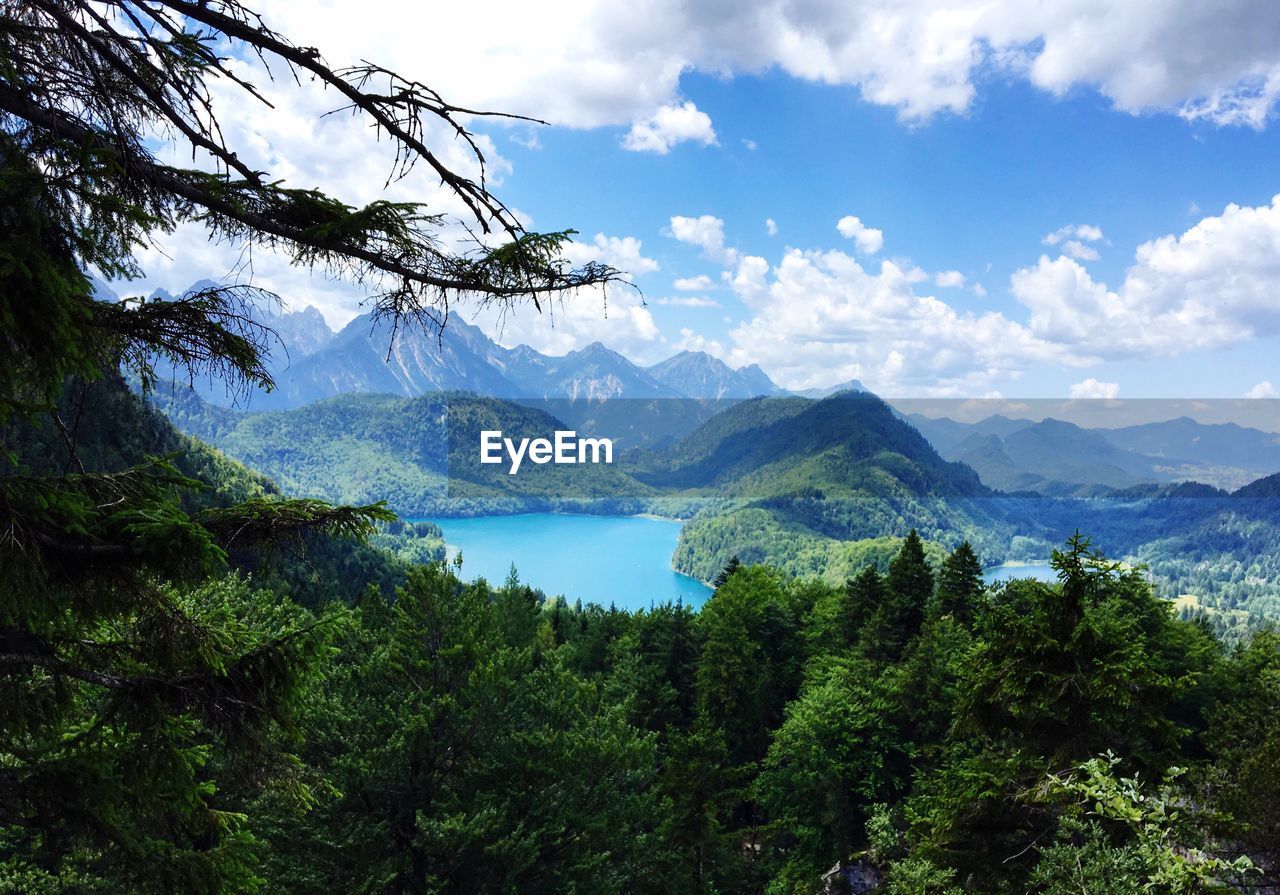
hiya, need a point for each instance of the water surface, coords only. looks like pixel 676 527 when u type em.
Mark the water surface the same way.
pixel 1038 571
pixel 624 560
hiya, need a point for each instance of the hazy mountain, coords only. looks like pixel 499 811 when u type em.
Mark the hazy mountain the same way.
pixel 301 333
pixel 853 385
pixel 945 433
pixel 697 374
pixel 1225 453
pixel 1053 457
pixel 596 374
pixel 363 358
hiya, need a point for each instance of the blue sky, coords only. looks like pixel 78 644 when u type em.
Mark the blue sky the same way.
pixel 1145 137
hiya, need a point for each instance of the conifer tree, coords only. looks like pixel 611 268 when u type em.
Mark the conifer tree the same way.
pixel 123 682
pixel 908 589
pixel 960 585
pixel 732 566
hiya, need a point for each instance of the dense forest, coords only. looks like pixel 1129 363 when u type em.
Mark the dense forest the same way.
pixel 211 684
pixel 906 731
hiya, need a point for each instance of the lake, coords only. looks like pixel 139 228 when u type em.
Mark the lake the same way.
pixel 624 560
pixel 1038 571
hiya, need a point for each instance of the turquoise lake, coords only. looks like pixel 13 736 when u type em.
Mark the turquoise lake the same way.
pixel 623 560
pixel 1038 571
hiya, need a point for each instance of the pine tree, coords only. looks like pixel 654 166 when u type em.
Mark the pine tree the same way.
pixel 960 585
pixel 727 572
pixel 908 589
pixel 863 596
pixel 126 676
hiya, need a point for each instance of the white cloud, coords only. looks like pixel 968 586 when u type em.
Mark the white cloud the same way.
pixel 1263 389
pixel 620 252
pixel 689 301
pixel 771 226
pixel 692 341
pixel 821 317
pixel 667 127
pixel 979 290
pixel 750 145
pixel 949 279
pixel 619 319
pixel 706 232
pixel 1078 250
pixel 867 239
pixel 1213 286
pixel 700 283
pixel 1081 232
pixel 1092 388
pixel 1072 240
pixel 599 63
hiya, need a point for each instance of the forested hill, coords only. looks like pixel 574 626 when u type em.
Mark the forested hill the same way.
pixel 114 429
pixel 418 454
pixel 770 446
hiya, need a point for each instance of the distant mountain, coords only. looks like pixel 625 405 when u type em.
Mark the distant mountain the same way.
pixel 1225 453
pixel 301 333
pixel 1057 458
pixel 364 358
pixel 311 363
pixel 596 374
pixel 945 433
pixel 696 374
pixel 1053 457
pixel 852 385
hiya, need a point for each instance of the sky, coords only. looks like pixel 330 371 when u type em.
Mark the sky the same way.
pixel 962 199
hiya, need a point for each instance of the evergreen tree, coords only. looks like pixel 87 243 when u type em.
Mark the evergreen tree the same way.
pixel 908 589
pixel 863 596
pixel 960 585
pixel 129 682
pixel 732 566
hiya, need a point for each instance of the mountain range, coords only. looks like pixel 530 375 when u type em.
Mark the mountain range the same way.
pixel 1054 457
pixel 310 362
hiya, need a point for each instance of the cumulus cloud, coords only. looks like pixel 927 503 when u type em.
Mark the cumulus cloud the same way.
pixel 622 252
pixel 867 239
pixel 600 63
pixel 689 301
pixel 821 317
pixel 620 320
pixel 771 226
pixel 668 126
pixel 1263 389
pixel 700 283
pixel 949 279
pixel 1210 287
pixel 1092 388
pixel 1072 241
pixel 693 341
pixel 706 232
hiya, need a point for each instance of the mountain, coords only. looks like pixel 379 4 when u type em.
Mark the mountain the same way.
pixel 367 357
pixel 301 333
pixel 696 374
pixel 596 374
pixel 945 433
pixel 1053 457
pixel 852 385
pixel 1225 454
pixel 1265 488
